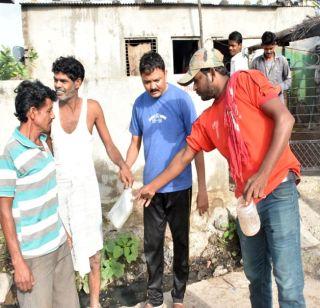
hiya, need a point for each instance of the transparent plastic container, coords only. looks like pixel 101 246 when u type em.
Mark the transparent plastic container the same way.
pixel 248 217
pixel 122 209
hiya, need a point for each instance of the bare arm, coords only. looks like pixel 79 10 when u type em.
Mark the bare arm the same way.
pixel 111 149
pixel 133 150
pixel 283 123
pixel 202 198
pixel 176 166
pixel 22 275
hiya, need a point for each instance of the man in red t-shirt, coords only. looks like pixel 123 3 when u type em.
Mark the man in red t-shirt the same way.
pixel 249 125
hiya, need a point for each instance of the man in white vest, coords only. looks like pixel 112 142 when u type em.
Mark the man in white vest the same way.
pixel 71 133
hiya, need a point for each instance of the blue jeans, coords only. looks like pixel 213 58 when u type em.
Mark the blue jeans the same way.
pixel 277 246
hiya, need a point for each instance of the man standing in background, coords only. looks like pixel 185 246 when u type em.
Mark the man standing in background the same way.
pixel 238 61
pixel 274 66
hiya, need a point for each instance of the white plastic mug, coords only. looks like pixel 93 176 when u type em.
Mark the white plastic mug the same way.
pixel 248 217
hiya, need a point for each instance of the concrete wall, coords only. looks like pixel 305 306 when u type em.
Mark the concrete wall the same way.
pixel 96 34
pixel 7 119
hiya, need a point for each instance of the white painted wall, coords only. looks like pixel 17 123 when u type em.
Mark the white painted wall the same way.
pixel 95 35
pixel 10 25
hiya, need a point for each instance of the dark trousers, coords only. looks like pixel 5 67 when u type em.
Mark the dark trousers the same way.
pixel 173 208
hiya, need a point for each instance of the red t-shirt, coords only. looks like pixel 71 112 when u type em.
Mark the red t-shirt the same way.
pixel 252 90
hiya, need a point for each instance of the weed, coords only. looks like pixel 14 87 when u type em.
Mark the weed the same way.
pixel 116 254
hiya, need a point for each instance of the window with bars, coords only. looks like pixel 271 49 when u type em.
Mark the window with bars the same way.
pixel 135 48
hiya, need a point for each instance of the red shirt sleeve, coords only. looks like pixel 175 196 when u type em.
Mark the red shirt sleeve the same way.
pixel 258 87
pixel 199 139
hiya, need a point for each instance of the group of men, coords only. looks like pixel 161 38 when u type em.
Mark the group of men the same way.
pixel 274 66
pixel 49 191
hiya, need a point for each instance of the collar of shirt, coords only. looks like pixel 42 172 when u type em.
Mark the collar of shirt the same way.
pixel 276 56
pixel 26 141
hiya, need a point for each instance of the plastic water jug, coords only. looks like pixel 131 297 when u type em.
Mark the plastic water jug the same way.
pixel 248 217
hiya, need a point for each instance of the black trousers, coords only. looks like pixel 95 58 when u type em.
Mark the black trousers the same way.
pixel 172 208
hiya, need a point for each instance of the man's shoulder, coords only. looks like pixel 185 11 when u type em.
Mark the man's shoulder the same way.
pixel 208 112
pixel 142 99
pixel 282 58
pixel 257 59
pixel 251 74
pixel 93 107
pixel 141 96
pixel 176 89
pixel 9 150
pixel 11 146
pixel 238 56
pixel 92 102
pixel 247 80
pixel 178 93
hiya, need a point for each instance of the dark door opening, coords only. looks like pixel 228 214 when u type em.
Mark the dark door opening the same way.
pixel 182 52
pixel 222 46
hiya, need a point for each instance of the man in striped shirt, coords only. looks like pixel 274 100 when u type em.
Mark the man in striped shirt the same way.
pixel 36 239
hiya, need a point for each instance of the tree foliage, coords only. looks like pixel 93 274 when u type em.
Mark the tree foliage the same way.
pixel 10 68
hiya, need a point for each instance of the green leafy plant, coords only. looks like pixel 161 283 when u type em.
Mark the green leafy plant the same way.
pixel 116 254
pixel 82 283
pixel 229 234
pixel 230 240
pixel 10 68
pixel 32 54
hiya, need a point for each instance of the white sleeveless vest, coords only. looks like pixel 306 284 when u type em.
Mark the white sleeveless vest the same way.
pixel 78 190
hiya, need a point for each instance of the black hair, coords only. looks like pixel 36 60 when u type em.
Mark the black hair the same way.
pixel 31 94
pixel 235 36
pixel 69 66
pixel 268 38
pixel 220 69
pixel 151 61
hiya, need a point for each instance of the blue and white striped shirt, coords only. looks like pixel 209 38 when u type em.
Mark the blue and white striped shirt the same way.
pixel 27 174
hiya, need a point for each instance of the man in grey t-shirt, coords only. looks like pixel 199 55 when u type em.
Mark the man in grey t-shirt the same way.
pixel 275 67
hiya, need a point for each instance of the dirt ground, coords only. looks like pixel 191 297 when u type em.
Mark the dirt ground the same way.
pixel 231 291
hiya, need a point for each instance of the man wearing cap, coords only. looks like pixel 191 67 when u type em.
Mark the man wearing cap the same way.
pixel 250 126
pixel 162 116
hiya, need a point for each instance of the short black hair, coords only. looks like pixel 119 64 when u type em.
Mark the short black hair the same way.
pixel 31 94
pixel 235 36
pixel 69 66
pixel 151 61
pixel 220 69
pixel 268 38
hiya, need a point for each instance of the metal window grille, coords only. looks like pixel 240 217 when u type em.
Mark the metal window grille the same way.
pixel 304 103
pixel 135 48
pixel 308 153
